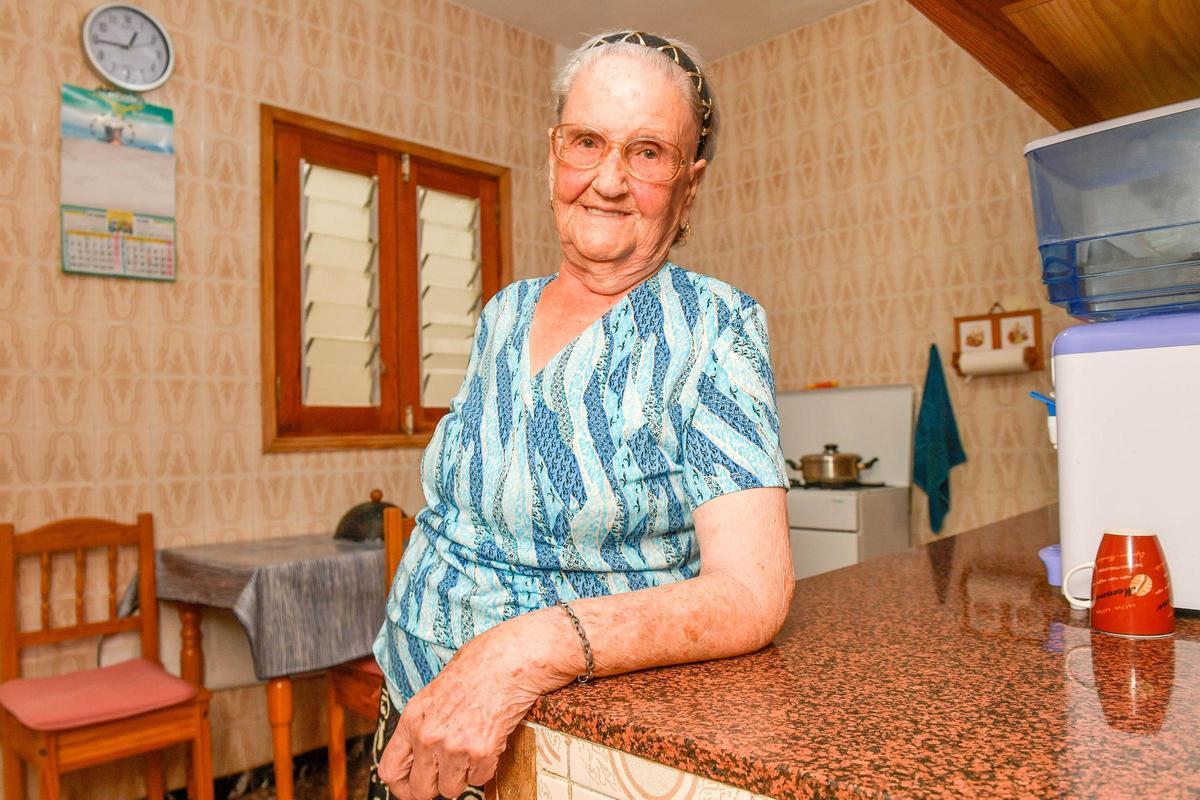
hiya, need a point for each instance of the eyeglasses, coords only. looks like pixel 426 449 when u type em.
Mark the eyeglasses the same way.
pixel 647 159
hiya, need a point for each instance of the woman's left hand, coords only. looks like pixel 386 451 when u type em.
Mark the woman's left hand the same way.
pixel 452 732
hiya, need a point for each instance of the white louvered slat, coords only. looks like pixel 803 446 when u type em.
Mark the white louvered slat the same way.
pixel 338 321
pixel 322 250
pixel 440 386
pixel 348 287
pixel 448 209
pixel 330 385
pixel 339 186
pixel 447 241
pixel 438 270
pixel 340 352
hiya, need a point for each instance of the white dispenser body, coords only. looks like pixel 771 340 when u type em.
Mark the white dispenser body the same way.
pixel 1128 397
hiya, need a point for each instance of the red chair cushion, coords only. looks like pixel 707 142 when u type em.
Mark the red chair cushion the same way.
pixel 90 696
pixel 366 665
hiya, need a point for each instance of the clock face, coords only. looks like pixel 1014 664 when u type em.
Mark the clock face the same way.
pixel 128 47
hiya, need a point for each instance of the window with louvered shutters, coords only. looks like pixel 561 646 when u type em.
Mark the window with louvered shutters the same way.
pixel 377 258
pixel 340 304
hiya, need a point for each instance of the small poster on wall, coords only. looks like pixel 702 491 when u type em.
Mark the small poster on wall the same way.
pixel 118 185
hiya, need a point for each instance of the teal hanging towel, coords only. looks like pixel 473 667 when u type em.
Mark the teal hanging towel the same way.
pixel 937 448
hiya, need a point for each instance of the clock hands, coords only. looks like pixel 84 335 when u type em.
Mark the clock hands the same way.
pixel 123 46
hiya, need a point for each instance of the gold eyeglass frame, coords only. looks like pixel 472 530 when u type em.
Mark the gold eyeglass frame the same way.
pixel 620 145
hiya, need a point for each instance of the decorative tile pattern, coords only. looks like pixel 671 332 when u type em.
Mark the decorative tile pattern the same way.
pixel 550 787
pixel 869 187
pixel 602 773
pixel 553 755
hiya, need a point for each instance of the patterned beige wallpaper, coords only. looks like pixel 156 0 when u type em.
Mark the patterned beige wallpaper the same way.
pixel 119 396
pixel 869 188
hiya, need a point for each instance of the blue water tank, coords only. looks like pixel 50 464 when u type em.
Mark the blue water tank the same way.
pixel 1117 210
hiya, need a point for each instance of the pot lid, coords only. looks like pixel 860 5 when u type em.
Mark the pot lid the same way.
pixel 831 450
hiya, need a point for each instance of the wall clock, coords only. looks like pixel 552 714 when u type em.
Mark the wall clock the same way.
pixel 128 47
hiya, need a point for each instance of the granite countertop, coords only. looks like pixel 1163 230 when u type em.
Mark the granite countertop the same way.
pixel 951 670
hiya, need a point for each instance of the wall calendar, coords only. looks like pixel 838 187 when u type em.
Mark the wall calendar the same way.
pixel 118 185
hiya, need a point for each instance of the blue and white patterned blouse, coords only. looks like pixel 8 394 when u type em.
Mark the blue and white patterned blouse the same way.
pixel 581 480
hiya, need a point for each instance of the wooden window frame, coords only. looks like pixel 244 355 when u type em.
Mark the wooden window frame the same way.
pixel 289 426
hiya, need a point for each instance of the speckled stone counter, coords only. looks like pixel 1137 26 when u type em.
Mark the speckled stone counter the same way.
pixel 949 671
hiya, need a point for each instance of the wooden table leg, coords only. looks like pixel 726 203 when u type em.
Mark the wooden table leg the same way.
pixel 279 711
pixel 191 646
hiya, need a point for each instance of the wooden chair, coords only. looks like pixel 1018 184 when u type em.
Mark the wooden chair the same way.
pixel 354 686
pixel 78 719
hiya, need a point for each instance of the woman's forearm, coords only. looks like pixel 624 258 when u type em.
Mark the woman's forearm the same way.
pixel 734 607
pixel 707 617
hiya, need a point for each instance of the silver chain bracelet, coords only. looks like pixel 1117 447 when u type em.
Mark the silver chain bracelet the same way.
pixel 583 639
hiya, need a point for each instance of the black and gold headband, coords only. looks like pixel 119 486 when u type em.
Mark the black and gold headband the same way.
pixel 685 63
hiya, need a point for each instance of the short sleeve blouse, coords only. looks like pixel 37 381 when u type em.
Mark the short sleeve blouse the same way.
pixel 581 480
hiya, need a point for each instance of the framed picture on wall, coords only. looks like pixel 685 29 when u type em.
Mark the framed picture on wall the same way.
pixel 1019 329
pixel 974 333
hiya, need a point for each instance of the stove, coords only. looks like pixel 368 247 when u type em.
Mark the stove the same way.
pixel 834 526
pixel 796 484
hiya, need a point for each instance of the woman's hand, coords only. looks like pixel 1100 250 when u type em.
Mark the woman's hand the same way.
pixel 452 732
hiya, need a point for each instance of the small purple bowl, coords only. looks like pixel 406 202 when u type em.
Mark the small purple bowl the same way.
pixel 1051 556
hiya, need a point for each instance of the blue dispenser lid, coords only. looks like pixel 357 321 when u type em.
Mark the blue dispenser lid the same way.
pixel 1142 333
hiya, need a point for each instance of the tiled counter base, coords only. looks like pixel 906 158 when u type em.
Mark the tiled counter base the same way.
pixel 568 768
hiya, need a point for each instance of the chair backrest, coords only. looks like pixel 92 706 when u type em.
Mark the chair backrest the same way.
pixel 76 536
pixel 397 528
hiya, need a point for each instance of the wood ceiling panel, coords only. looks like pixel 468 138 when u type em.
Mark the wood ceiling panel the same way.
pixel 1124 55
pixel 980 28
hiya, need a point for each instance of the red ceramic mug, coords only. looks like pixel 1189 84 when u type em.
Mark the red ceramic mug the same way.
pixel 1131 588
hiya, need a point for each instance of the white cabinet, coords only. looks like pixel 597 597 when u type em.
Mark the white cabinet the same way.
pixel 834 528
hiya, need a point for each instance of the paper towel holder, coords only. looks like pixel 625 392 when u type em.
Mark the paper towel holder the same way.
pixel 1000 330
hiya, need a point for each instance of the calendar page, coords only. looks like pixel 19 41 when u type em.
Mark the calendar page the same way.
pixel 100 242
pixel 118 185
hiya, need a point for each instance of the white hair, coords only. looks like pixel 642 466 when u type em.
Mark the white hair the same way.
pixel 589 54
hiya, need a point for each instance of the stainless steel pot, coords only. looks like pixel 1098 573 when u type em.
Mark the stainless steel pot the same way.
pixel 832 467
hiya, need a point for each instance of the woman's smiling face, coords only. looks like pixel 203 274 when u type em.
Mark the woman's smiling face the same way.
pixel 609 222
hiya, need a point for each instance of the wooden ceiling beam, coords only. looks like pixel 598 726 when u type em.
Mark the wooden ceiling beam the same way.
pixel 982 29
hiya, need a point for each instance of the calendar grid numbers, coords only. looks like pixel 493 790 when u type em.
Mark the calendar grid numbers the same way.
pixel 118 243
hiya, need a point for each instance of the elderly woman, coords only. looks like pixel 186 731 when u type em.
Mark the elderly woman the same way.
pixel 605 494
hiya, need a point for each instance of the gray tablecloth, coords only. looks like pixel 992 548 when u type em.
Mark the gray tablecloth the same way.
pixel 306 602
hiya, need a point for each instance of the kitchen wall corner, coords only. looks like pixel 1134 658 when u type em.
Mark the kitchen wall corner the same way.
pixel 868 188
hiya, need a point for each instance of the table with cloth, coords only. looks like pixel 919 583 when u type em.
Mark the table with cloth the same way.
pixel 306 603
